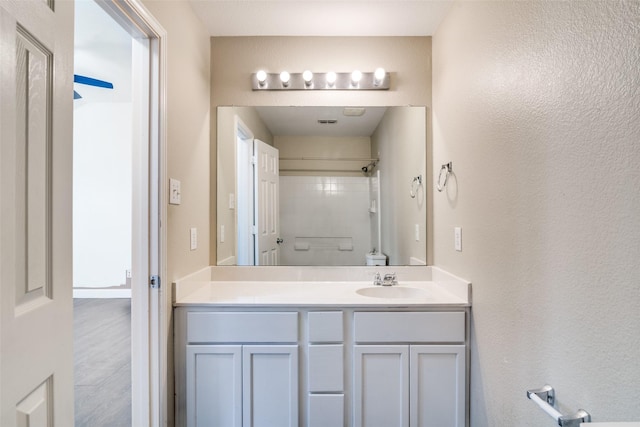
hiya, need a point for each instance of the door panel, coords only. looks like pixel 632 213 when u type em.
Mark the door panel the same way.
pixel 36 311
pixel 270 386
pixel 214 381
pixel 381 389
pixel 267 199
pixel 437 385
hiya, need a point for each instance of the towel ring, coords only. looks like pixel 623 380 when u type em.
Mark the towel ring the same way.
pixel 445 168
pixel 415 184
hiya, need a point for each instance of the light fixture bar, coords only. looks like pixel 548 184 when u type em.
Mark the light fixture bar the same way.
pixel 344 81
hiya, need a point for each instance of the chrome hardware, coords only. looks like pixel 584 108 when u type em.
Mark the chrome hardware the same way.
pixel 448 169
pixel 377 280
pixel 154 281
pixel 545 398
pixel 279 240
pixel 390 279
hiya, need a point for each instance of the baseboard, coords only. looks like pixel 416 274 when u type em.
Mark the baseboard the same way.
pixel 101 293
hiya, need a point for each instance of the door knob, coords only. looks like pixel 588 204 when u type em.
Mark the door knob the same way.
pixel 279 240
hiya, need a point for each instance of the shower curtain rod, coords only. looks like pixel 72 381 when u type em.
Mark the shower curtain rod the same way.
pixel 321 170
pixel 332 159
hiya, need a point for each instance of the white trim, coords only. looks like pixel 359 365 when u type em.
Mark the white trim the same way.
pixel 151 309
pixel 101 293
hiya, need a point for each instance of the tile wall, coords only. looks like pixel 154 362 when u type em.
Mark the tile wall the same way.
pixel 325 220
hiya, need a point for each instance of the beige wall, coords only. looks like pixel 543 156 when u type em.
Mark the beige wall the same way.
pixel 400 143
pixel 537 106
pixel 188 116
pixel 357 147
pixel 233 59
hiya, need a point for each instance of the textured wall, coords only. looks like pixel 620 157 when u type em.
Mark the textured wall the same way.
pixel 538 106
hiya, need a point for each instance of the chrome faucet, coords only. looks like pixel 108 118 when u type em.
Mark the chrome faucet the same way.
pixel 390 279
pixel 377 280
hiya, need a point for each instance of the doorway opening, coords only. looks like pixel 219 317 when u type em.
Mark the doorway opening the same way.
pixel 118 138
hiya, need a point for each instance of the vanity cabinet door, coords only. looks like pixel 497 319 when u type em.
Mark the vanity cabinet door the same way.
pixel 270 386
pixel 437 385
pixel 381 386
pixel 214 381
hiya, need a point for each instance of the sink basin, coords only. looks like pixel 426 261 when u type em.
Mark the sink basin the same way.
pixel 392 292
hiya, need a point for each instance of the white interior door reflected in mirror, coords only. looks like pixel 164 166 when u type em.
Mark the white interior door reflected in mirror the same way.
pixel 266 202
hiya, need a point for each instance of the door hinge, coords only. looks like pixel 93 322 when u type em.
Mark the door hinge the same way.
pixel 254 229
pixel 254 160
pixel 154 281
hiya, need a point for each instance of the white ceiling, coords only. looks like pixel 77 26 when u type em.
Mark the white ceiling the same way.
pixel 321 18
pixel 296 121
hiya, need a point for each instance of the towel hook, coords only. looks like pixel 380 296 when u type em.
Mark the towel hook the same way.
pixel 415 184
pixel 448 168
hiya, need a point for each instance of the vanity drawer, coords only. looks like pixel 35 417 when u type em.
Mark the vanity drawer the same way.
pixel 409 326
pixel 230 327
pixel 325 326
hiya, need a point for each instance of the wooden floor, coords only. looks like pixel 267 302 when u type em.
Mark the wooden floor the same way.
pixel 102 353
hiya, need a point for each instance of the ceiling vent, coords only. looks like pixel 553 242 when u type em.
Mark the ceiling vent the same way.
pixel 327 121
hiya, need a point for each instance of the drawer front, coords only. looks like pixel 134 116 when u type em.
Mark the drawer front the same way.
pixel 326 364
pixel 409 327
pixel 326 410
pixel 227 327
pixel 325 326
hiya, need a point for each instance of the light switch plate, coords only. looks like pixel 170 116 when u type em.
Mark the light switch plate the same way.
pixel 232 201
pixel 222 234
pixel 193 232
pixel 417 232
pixel 174 191
pixel 457 233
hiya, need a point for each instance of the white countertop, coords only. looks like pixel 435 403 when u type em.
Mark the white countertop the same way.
pixel 202 288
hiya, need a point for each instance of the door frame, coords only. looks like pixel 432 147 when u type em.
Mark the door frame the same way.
pixel 150 308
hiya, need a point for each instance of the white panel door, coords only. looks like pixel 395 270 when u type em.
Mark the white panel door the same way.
pixel 214 386
pixel 381 386
pixel 437 385
pixel 270 386
pixel 266 204
pixel 36 308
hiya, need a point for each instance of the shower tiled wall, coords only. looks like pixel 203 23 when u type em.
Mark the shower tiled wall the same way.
pixel 324 220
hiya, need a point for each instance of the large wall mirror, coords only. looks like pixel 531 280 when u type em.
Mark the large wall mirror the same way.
pixel 321 185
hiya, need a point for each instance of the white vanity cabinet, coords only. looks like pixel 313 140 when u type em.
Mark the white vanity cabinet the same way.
pixel 321 366
pixel 242 384
pixel 414 384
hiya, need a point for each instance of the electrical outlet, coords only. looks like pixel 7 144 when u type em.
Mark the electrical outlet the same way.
pixel 232 201
pixel 457 234
pixel 174 191
pixel 193 234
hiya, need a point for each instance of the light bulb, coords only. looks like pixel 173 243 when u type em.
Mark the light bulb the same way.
pixel 261 75
pixel 307 76
pixel 331 78
pixel 378 76
pixel 285 77
pixel 356 76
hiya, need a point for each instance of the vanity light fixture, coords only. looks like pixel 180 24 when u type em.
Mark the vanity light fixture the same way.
pixel 331 79
pixel 307 76
pixel 261 76
pixel 308 80
pixel 356 76
pixel 285 78
pixel 378 76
